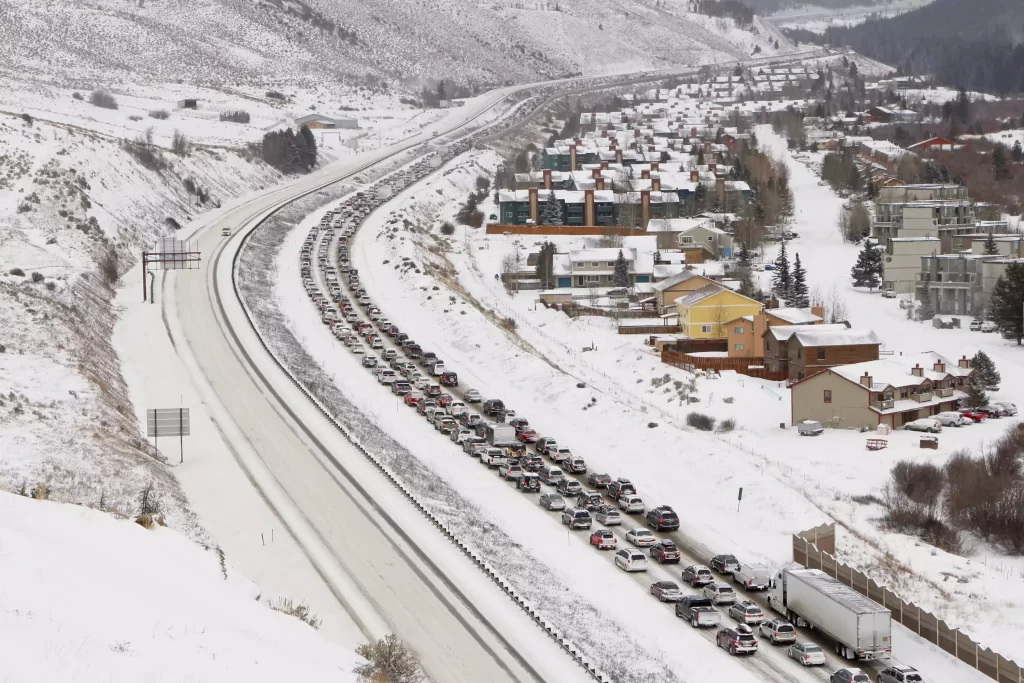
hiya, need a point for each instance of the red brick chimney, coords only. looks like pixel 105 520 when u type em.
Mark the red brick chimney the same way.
pixel 618 156
pixel 964 363
pixel 547 178
pixel 694 176
pixel 645 174
pixel 655 166
pixel 656 184
pixel 599 184
pixel 595 172
pixel 604 165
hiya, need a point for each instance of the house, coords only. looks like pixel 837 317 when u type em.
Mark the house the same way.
pixel 955 282
pixel 776 343
pixel 881 115
pixel 711 241
pixel 703 313
pixel 812 350
pixel 526 207
pixel 892 391
pixel 319 121
pixel 901 265
pixel 596 267
pixel 934 144
pixel 746 334
pixel 668 230
pixel 668 290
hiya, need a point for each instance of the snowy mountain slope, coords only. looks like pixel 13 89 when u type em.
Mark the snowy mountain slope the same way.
pixel 236 42
pixel 140 605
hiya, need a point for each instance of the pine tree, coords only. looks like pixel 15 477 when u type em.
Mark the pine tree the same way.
pixel 985 373
pixel 798 286
pixel 621 276
pixel 743 257
pixel 552 213
pixel 1017 153
pixel 975 394
pixel 780 278
pixel 1005 304
pixel 310 155
pixel 925 311
pixel 868 268
pixel 1000 164
pixel 990 245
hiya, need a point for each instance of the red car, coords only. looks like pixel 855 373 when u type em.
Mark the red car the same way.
pixel 413 397
pixel 665 552
pixel 527 435
pixel 976 415
pixel 444 400
pixel 604 539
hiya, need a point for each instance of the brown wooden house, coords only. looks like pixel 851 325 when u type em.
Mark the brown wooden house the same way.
pixel 805 350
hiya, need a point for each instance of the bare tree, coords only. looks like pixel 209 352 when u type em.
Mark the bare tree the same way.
pixel 719 315
pixel 510 270
pixel 388 660
pixel 835 306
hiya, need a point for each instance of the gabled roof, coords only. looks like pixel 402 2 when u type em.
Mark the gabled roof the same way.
pixel 784 332
pixel 896 371
pixel 698 295
pixel 811 336
pixel 677 279
pixel 794 316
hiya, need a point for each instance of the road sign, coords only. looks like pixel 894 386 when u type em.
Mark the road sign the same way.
pixel 739 499
pixel 168 422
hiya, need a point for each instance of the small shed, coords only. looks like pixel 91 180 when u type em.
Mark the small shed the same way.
pixel 945 322
pixel 188 104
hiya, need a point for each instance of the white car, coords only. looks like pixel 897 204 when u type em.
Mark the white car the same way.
pixel 631 504
pixel 631 560
pixel 358 349
pixel 951 418
pixel 988 326
pixel 641 538
pixel 888 294
pixel 924 424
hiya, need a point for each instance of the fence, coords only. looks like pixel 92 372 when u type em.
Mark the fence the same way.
pixel 500 229
pixel 650 329
pixel 751 367
pixel 695 345
pixel 924 624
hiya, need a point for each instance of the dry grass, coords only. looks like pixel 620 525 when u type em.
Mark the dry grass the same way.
pixel 300 611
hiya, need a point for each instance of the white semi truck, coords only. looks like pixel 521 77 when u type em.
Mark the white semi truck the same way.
pixel 860 627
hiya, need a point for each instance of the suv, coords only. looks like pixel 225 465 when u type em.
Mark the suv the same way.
pixel 900 674
pixel 620 487
pixel 576 518
pixel 720 593
pixel 665 552
pixel 545 445
pixel 631 560
pixel 604 539
pixel 663 518
pixel 631 503
pixel 599 480
pixel 780 631
pixel 697 575
pixel 746 612
pixel 608 515
pixel 737 641
pixel 589 499
pixel 853 675
pixel 528 483
pixel 510 471
pixel 568 487
pixel 725 564
pixel 492 406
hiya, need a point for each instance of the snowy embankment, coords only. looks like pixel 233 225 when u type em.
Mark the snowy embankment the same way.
pixel 88 597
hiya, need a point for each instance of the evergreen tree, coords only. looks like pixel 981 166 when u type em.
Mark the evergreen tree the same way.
pixel 552 213
pixel 1000 164
pixel 798 286
pixel 985 373
pixel 545 266
pixel 621 276
pixel 657 256
pixel 1005 304
pixel 867 270
pixel 700 199
pixel 926 311
pixel 743 257
pixel 975 394
pixel 747 286
pixel 990 245
pixel 780 278
pixel 1017 153
pixel 310 151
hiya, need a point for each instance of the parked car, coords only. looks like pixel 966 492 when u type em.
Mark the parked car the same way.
pixel 604 539
pixel 608 515
pixel 725 564
pixel 989 326
pixel 528 483
pixel 665 552
pixel 778 631
pixel 993 410
pixel 975 325
pixel 631 560
pixel 697 575
pixel 577 518
pixel 698 610
pixel 1008 408
pixel 666 591
pixel 924 424
pixel 951 418
pixel 900 673
pixel 888 294
pixel 737 640
pixel 599 480
pixel 975 415
pixel 641 538
pixel 720 593
pixel 552 501
pixel 663 518
pixel 852 675
pixel 807 654
pixel 746 612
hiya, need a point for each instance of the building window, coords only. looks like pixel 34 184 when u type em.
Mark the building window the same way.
pixel 738 330
pixel 706 329
pixel 799 352
pixel 828 396
pixel 611 264
pixel 821 354
pixel 904 392
pixel 595 263
pixel 738 347
pixel 593 278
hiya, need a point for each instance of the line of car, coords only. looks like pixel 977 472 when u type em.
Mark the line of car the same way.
pixel 961 417
pixel 527 471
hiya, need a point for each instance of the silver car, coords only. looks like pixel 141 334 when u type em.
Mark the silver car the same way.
pixel 552 501
pixel 807 654
pixel 778 631
pixel 608 515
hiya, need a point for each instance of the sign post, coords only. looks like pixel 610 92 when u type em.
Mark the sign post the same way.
pixel 169 422
pixel 739 499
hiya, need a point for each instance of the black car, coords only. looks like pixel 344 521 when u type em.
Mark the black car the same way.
pixel 449 379
pixel 663 518
pixel 599 480
pixel 725 564
pixel 493 406
pixel 528 483
pixel 532 463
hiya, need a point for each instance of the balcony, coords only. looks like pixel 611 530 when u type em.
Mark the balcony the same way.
pixel 884 404
pixel 922 397
pixel 945 392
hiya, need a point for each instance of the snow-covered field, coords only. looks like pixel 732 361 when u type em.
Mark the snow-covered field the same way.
pixel 88 597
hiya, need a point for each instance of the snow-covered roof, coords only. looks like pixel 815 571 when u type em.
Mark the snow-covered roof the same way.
pixel 811 336
pixel 696 296
pixel 794 316
pixel 675 224
pixel 663 271
pixel 561 265
pixel 897 371
pixel 784 332
pixel 675 280
pixel 602 254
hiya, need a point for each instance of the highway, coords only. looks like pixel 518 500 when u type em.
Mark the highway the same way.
pixel 364 546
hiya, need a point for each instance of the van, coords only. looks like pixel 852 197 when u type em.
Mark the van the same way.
pixel 437 369
pixel 752 575
pixel 550 475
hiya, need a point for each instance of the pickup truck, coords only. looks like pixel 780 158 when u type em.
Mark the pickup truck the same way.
pixel 698 610
pixel 494 457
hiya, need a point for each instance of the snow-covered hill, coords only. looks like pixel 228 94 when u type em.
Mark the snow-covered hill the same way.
pixel 87 597
pixel 234 43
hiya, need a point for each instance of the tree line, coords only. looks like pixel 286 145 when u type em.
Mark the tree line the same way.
pixel 288 151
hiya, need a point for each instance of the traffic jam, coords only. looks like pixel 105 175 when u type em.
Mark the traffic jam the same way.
pixel 740 606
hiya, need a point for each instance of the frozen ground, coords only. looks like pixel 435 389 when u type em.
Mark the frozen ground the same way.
pixel 88 597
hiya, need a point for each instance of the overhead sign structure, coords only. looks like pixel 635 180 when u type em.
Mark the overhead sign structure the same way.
pixel 170 254
pixel 168 422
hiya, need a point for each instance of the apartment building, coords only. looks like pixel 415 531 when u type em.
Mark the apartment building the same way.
pixel 901 265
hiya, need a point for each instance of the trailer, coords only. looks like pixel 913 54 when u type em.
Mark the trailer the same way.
pixel 497 434
pixel 860 627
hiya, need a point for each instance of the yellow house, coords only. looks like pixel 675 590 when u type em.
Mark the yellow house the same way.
pixel 706 312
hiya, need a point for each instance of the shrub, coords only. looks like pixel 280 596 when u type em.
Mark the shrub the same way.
pixel 160 114
pixel 134 117
pixel 108 266
pixel 143 149
pixel 17 271
pixel 704 423
pixel 38 277
pixel 51 286
pixel 726 426
pixel 447 228
pixel 300 611
pixel 99 98
pixel 388 660
pixel 180 144
pixel 149 502
pixel 274 95
pixel 27 118
pixel 235 116
pixel 77 96
pixel 509 323
pixel 476 219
